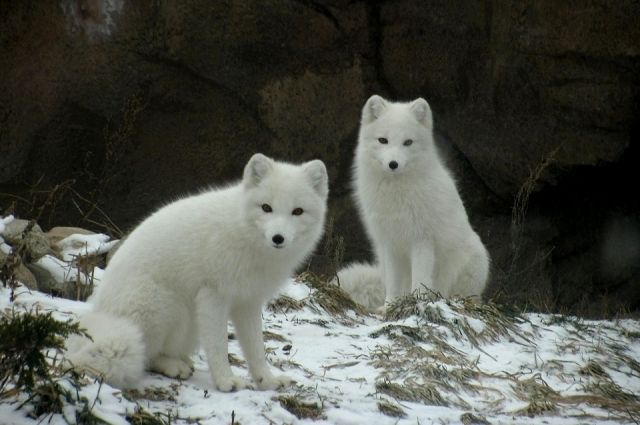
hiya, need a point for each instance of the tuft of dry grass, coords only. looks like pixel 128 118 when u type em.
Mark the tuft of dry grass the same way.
pixel 541 397
pixel 330 297
pixel 284 304
pixel 301 409
pixel 593 368
pixel 391 409
pixel 411 391
pixel 140 416
pixel 235 361
pixel 469 418
pixel 151 393
pixel 272 336
pixel 456 315
pixel 536 408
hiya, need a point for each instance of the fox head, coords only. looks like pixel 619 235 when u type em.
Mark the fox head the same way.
pixel 285 203
pixel 395 137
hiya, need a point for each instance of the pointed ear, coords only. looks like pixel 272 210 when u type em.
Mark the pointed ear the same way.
pixel 258 167
pixel 421 110
pixel 317 174
pixel 373 109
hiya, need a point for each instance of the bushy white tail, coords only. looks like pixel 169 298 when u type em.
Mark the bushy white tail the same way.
pixel 364 283
pixel 116 353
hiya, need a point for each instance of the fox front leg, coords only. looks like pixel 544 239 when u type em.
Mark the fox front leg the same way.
pixel 248 323
pixel 422 266
pixel 212 318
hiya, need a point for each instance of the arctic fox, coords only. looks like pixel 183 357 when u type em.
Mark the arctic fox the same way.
pixel 196 263
pixel 411 210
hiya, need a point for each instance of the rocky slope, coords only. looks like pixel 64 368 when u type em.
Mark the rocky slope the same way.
pixel 126 105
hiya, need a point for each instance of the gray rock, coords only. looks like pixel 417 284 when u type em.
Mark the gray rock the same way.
pixel 47 282
pixel 23 275
pixel 35 242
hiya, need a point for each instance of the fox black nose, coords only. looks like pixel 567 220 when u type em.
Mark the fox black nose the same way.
pixel 277 239
pixel 393 165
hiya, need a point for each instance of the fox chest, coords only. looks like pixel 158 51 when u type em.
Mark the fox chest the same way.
pixel 396 213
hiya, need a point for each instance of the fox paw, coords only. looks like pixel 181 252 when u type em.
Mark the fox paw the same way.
pixel 173 368
pixel 273 382
pixel 230 383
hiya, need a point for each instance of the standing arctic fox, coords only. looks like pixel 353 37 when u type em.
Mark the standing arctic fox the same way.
pixel 196 263
pixel 411 210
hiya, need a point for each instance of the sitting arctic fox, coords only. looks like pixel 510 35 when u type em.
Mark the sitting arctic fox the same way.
pixel 196 263
pixel 411 210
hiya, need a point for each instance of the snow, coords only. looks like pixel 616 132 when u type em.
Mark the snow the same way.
pixel 77 245
pixel 3 223
pixel 331 361
pixel 71 248
pixel 337 362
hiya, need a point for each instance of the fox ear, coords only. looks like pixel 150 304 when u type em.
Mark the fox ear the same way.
pixel 422 112
pixel 373 109
pixel 317 174
pixel 258 167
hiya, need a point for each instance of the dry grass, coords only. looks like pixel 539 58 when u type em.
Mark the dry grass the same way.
pixel 457 315
pixel 471 419
pixel 593 368
pixel 331 298
pixel 301 409
pixel 235 360
pixel 140 416
pixel 412 391
pixel 272 336
pixel 152 393
pixel 284 304
pixel 391 409
pixel 421 364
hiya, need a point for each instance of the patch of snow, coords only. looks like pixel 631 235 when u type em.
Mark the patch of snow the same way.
pixel 332 362
pixel 4 221
pixel 60 270
pixel 298 292
pixel 81 245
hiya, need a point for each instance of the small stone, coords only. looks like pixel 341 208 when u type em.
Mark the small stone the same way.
pixel 36 244
pixel 13 230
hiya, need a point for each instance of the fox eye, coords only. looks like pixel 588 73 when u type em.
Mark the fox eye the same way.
pixel 297 211
pixel 267 208
pixel 383 140
pixel 408 142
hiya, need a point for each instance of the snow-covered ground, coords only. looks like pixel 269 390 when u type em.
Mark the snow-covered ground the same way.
pixel 438 362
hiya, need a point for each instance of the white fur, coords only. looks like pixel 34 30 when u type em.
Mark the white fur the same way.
pixel 362 282
pixel 413 214
pixel 196 263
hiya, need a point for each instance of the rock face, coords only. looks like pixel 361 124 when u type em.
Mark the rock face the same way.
pixel 123 106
